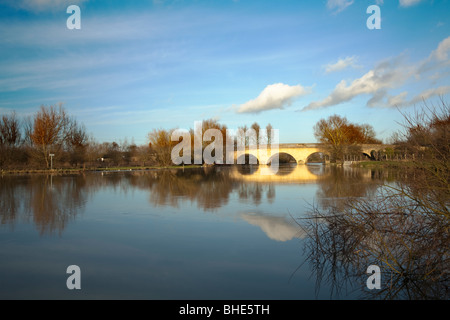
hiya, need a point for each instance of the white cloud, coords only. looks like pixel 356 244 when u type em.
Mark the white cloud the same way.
pixel 386 75
pixel 400 99
pixel 442 51
pixel 390 74
pixel 437 60
pixel 341 64
pixel 409 3
pixel 427 94
pixel 274 96
pixel 338 5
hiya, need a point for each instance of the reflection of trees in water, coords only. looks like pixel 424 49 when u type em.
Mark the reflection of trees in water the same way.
pixel 318 169
pixel 251 191
pixel 247 169
pixel 209 187
pixel 50 201
pixel 10 199
pixel 404 234
pixel 54 201
pixel 337 184
pixel 285 169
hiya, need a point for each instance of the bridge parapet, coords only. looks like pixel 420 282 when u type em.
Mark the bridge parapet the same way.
pixel 301 151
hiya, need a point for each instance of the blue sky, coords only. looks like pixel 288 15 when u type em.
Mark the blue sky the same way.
pixel 135 66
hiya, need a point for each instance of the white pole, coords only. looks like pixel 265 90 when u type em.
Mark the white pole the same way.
pixel 51 161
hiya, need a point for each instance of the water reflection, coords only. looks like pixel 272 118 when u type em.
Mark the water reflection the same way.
pixel 383 226
pixel 284 173
pixel 264 207
pixel 247 169
pixel 208 187
pixel 337 184
pixel 275 227
pixel 52 201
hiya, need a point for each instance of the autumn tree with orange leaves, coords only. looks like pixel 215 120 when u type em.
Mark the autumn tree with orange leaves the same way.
pixel 50 129
pixel 340 137
pixel 161 145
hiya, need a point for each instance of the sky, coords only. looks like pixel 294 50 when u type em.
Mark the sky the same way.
pixel 134 66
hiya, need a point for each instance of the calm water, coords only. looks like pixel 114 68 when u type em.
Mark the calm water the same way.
pixel 210 233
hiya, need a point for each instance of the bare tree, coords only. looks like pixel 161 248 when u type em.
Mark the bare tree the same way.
pixel 76 142
pixel 10 137
pixel 369 134
pixel 243 137
pixel 10 134
pixel 268 134
pixel 214 124
pixel 333 133
pixel 255 126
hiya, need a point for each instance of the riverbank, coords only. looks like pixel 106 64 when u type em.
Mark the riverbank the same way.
pixel 382 164
pixel 82 170
pixel 357 164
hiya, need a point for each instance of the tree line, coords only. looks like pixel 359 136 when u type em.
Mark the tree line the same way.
pixel 28 142
pixel 162 141
pixel 341 138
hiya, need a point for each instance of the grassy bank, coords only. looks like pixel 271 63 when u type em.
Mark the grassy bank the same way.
pixel 382 164
pixel 81 170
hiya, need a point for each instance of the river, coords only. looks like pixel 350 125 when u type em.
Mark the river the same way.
pixel 204 233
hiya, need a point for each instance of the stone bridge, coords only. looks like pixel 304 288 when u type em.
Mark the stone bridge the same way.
pixel 298 151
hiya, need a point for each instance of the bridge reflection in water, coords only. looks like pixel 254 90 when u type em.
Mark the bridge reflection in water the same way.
pixel 288 173
pixel 53 201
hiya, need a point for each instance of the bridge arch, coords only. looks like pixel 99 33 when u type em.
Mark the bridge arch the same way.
pixel 247 159
pixel 317 157
pixel 283 158
pixel 368 156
